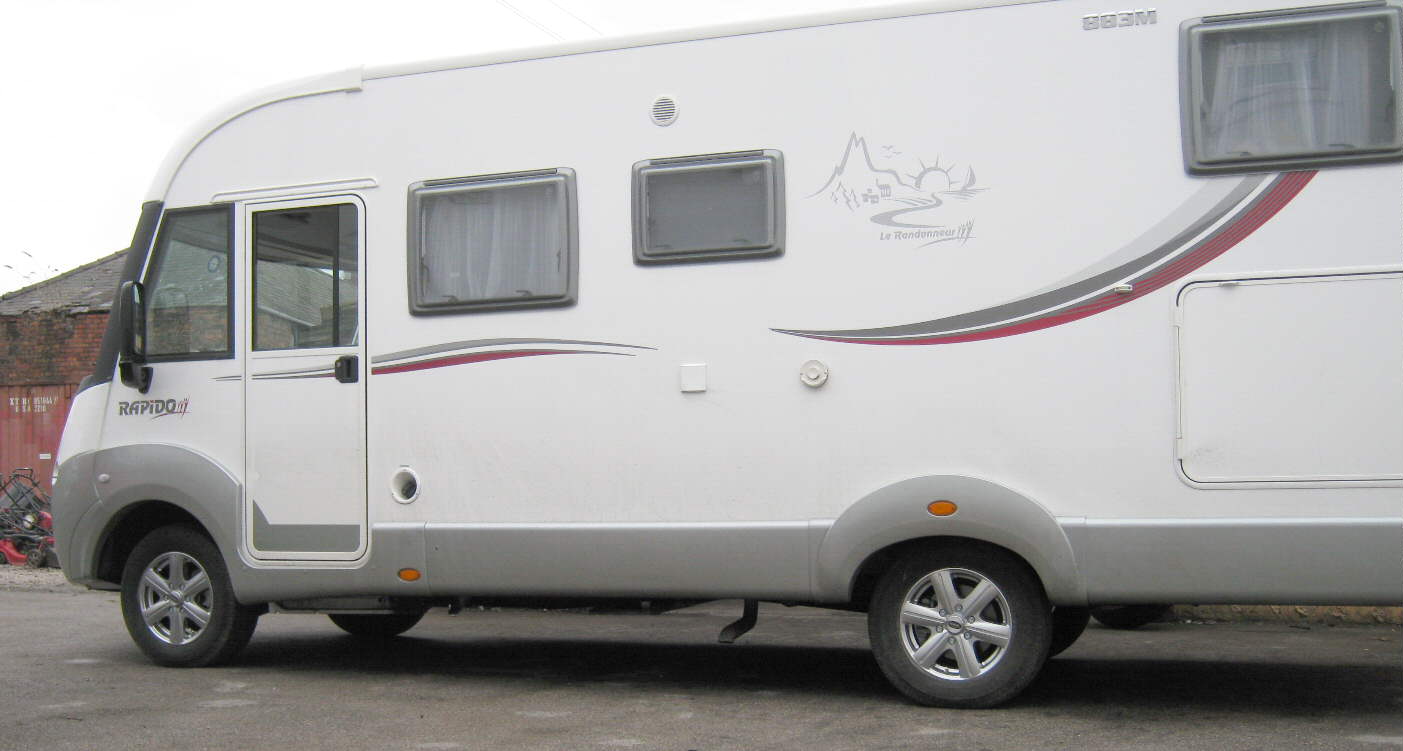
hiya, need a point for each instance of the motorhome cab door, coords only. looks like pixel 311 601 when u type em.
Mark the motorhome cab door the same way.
pixel 305 366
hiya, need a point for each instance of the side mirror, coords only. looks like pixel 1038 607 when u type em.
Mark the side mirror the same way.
pixel 131 317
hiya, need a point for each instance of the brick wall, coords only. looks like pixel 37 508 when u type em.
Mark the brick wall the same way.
pixel 49 348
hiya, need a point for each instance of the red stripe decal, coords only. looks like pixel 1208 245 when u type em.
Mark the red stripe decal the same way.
pixel 1235 232
pixel 443 362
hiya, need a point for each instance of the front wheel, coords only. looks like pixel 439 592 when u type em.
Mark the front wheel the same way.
pixel 961 625
pixel 177 601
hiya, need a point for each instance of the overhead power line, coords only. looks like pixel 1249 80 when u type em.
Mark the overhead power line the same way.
pixel 531 21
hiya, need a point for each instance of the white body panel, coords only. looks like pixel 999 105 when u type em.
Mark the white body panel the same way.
pixel 1075 140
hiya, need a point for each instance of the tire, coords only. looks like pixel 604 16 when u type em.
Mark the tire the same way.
pixel 376 626
pixel 1129 616
pixel 1067 626
pixel 924 598
pixel 176 575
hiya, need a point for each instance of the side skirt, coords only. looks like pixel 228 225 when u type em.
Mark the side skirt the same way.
pixel 1322 561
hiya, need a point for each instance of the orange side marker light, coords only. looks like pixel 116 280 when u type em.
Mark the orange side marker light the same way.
pixel 409 574
pixel 942 508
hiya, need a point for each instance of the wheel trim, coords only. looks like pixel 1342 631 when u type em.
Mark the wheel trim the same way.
pixel 955 624
pixel 176 598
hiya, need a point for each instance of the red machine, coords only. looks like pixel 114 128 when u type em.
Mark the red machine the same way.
pixel 26 526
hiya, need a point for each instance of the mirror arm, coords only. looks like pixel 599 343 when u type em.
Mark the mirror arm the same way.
pixel 135 375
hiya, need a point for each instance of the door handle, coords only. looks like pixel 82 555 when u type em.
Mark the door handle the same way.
pixel 347 368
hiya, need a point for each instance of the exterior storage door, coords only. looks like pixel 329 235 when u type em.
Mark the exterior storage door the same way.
pixel 1292 379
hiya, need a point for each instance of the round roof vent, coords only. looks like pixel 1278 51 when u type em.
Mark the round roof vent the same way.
pixel 664 111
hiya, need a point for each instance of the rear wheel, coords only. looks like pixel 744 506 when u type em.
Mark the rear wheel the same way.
pixel 376 625
pixel 1067 626
pixel 177 601
pixel 1129 616
pixel 962 625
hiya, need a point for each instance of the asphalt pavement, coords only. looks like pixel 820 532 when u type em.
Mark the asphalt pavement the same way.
pixel 803 679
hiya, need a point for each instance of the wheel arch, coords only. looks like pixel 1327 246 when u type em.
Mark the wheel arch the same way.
pixel 883 524
pixel 135 522
pixel 148 486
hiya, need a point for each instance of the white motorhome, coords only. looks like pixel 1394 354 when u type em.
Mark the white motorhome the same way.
pixel 968 314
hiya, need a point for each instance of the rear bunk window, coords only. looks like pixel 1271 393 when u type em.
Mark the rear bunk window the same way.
pixel 1291 89
pixel 708 208
pixel 492 242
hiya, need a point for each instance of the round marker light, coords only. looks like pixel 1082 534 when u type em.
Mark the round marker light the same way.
pixel 409 574
pixel 942 508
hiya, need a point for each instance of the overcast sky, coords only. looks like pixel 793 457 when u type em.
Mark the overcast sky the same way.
pixel 98 90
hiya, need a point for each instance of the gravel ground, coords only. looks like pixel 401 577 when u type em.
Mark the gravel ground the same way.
pixel 569 681
pixel 803 679
pixel 26 579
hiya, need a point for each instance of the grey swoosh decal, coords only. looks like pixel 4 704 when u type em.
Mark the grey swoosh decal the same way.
pixel 1244 220
pixel 479 356
pixel 1206 204
pixel 1091 280
pixel 476 343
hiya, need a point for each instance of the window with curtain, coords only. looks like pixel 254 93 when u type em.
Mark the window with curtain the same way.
pixel 499 242
pixel 1298 90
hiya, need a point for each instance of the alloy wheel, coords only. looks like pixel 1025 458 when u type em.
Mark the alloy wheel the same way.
pixel 955 624
pixel 176 598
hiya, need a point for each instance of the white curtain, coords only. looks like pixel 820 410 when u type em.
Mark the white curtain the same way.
pixel 1315 88
pixel 500 242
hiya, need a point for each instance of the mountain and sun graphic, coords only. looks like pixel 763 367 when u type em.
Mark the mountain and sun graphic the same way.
pixel 902 189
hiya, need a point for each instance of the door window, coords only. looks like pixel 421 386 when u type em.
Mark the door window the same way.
pixel 305 277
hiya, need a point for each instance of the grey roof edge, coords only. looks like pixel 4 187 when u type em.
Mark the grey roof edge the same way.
pixel 353 79
pixel 13 296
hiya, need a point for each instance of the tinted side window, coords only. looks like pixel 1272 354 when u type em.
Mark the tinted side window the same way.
pixel 712 207
pixel 188 286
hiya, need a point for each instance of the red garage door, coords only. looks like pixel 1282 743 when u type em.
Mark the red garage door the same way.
pixel 31 423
